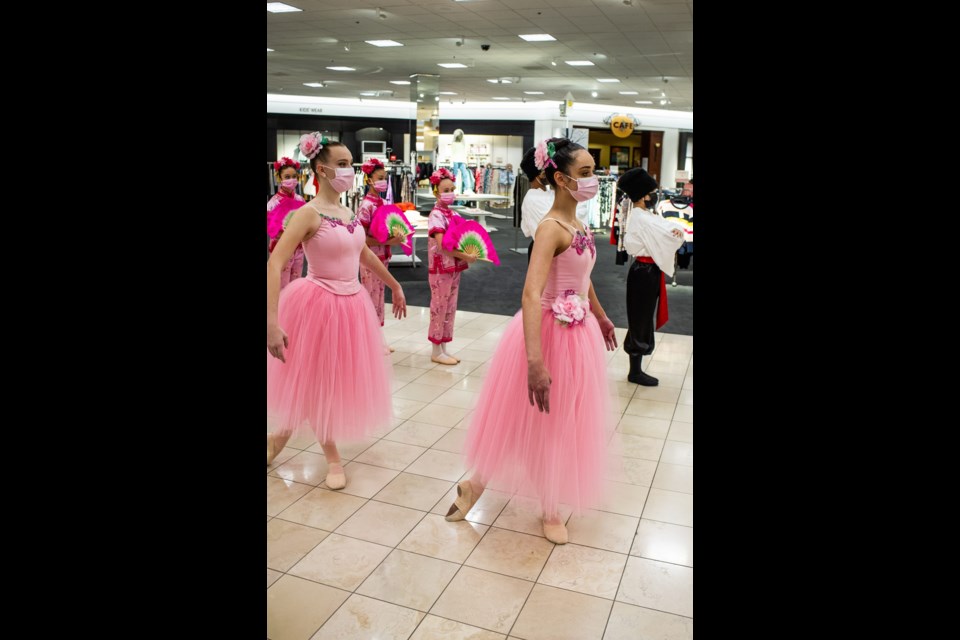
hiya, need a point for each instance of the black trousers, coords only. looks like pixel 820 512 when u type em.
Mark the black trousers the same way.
pixel 643 293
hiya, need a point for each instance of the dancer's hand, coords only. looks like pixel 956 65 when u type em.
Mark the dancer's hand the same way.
pixel 276 342
pixel 468 258
pixel 538 386
pixel 395 240
pixel 606 328
pixel 399 303
pixel 676 233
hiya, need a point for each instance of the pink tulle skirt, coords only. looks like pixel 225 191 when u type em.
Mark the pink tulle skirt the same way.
pixel 557 457
pixel 336 380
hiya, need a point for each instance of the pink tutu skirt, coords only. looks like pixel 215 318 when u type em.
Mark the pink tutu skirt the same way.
pixel 558 457
pixel 336 380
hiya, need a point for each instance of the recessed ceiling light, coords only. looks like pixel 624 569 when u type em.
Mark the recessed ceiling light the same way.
pixel 313 84
pixel 593 93
pixel 663 102
pixel 448 93
pixel 538 37
pixel 341 68
pixel 269 49
pixel 534 93
pixel 399 82
pixel 451 65
pixel 628 93
pixel 279 7
pixel 553 62
pixel 501 98
pixel 643 101
pixel 368 93
pixel 607 80
pixel 493 80
pixel 384 43
pixel 579 63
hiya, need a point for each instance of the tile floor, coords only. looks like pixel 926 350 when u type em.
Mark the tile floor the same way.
pixel 377 559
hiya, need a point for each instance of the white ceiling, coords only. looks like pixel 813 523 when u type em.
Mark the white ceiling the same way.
pixel 639 44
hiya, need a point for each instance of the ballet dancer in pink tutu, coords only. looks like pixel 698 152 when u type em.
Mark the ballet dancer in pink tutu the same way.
pixel 542 415
pixel 375 180
pixel 326 370
pixel 443 267
pixel 283 202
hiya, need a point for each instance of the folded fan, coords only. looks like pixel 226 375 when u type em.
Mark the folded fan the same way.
pixel 469 237
pixel 389 222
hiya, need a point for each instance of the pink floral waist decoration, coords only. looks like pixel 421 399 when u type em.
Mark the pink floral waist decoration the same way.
pixel 570 309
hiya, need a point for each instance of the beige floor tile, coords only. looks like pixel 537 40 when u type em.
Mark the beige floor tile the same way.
pixel 658 394
pixel 296 608
pixel 525 515
pixel 413 491
pixel 417 433
pixel 409 580
pixel 435 537
pixel 441 378
pixel 683 413
pixel 650 408
pixel 664 542
pixel 282 493
pixel 422 361
pixel 669 506
pixel 469 383
pixel 391 455
pixel 381 523
pixel 674 477
pixel 272 576
pixel 288 542
pixel 322 509
pixel 668 380
pixel 340 562
pixel 637 446
pixel 406 409
pixel 281 458
pixel 434 628
pixel 594 572
pixel 632 471
pixel 440 415
pixel 602 530
pixel 628 622
pixel 452 442
pixel 643 426
pixel 677 453
pixel 366 480
pixel 362 617
pixel 686 397
pixel 417 391
pixel 485 511
pixel 458 398
pixel 557 614
pixel 405 373
pixel 439 464
pixel 681 432
pixel 672 368
pixel 514 554
pixel 483 599
pixel 625 499
pixel 657 585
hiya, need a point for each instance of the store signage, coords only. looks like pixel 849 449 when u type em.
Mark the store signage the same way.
pixel 311 110
pixel 621 124
pixel 681 176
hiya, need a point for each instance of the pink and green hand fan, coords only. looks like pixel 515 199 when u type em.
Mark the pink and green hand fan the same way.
pixel 468 236
pixel 389 222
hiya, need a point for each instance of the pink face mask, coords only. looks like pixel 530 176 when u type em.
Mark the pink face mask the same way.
pixel 380 185
pixel 586 188
pixel 448 198
pixel 343 180
pixel 290 184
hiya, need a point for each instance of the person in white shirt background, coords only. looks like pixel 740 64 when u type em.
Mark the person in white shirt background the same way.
pixel 538 200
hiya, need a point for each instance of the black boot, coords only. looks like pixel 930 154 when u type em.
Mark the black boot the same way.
pixel 637 376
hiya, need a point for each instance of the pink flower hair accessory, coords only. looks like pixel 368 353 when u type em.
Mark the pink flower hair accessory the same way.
pixel 543 155
pixel 285 162
pixel 439 175
pixel 311 144
pixel 371 165
pixel 570 309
